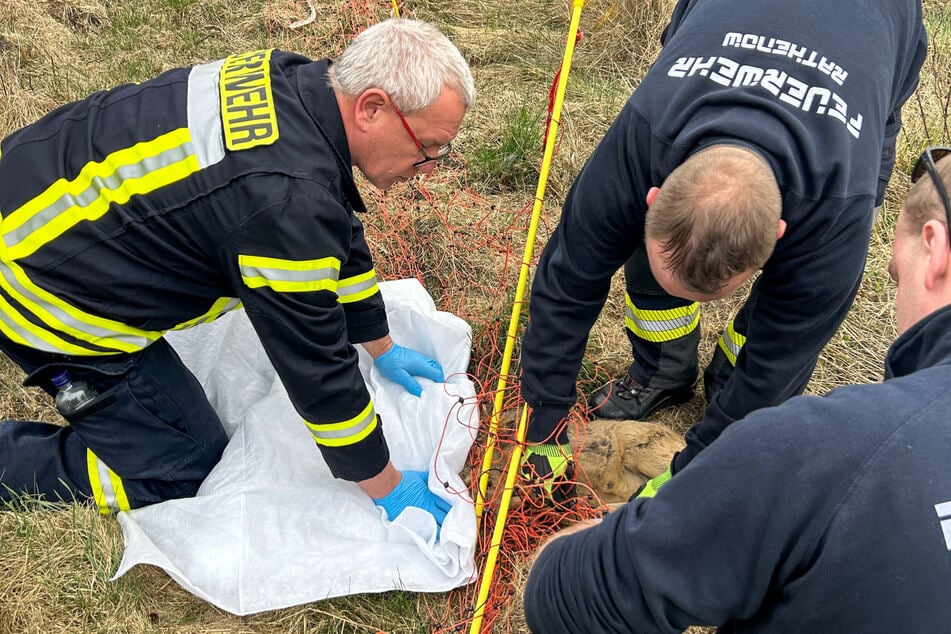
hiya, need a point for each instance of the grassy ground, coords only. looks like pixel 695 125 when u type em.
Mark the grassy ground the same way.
pixel 55 563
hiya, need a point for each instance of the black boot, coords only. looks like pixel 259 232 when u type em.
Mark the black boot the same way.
pixel 626 398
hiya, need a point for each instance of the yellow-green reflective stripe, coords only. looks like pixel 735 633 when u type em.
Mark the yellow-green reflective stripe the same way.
pixel 106 485
pixel 221 306
pixel 18 329
pixel 731 342
pixel 21 330
pixel 348 432
pixel 289 276
pixel 661 325
pixel 139 169
pixel 652 486
pixel 65 318
pixel 353 289
pixel 92 467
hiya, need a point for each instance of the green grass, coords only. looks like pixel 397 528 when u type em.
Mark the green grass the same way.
pixel 510 162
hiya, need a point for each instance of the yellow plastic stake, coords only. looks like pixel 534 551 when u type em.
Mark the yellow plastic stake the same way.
pixel 527 258
pixel 487 574
pixel 489 571
pixel 396 9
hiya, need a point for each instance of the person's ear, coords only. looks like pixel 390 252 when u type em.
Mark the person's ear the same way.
pixel 782 229
pixel 934 236
pixel 369 108
pixel 651 195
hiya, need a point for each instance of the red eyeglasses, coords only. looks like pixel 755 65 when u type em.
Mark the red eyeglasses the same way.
pixel 441 153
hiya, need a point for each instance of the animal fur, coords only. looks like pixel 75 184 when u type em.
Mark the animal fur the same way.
pixel 618 456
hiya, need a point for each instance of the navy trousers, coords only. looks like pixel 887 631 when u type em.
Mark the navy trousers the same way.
pixel 150 434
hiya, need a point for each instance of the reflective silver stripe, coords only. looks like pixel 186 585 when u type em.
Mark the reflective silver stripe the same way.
pixel 106 485
pixel 651 322
pixel 943 509
pixel 661 325
pixel 289 276
pixel 353 289
pixel 47 311
pixel 92 193
pixel 233 303
pixel 731 342
pixel 108 492
pixel 204 113
pixel 348 432
pixel 219 308
pixel 16 332
pixel 283 275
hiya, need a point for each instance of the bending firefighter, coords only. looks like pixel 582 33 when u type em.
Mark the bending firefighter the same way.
pixel 824 514
pixel 161 205
pixel 762 138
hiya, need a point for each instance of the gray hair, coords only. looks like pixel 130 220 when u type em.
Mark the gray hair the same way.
pixel 410 60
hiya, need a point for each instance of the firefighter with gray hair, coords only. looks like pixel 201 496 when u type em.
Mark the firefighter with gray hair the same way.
pixel 161 205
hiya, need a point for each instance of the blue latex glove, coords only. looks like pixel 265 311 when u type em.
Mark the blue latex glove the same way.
pixel 413 491
pixel 400 364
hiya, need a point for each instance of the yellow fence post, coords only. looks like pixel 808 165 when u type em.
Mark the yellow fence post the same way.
pixel 550 141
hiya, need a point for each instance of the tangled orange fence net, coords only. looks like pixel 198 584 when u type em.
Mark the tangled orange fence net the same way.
pixel 467 251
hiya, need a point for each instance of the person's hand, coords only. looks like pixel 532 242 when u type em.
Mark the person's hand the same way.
pixel 413 490
pixel 400 365
pixel 569 530
pixel 551 468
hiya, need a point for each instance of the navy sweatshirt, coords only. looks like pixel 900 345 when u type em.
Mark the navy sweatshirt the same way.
pixel 825 514
pixel 816 88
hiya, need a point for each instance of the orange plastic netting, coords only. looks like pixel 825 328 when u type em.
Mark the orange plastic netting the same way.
pixel 430 230
pixel 466 250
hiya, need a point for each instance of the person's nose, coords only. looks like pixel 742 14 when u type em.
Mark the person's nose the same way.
pixel 426 168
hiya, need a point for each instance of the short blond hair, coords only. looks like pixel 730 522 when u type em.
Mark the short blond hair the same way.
pixel 716 216
pixel 923 202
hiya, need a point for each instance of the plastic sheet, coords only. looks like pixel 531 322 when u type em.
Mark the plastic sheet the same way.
pixel 270 527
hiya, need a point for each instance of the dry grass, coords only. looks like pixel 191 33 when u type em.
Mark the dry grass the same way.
pixel 55 563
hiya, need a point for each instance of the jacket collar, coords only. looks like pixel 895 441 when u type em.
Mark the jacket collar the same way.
pixel 313 84
pixel 925 344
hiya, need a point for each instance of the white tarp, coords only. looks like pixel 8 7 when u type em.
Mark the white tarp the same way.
pixel 270 527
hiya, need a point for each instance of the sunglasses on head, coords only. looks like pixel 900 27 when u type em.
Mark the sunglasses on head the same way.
pixel 926 163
